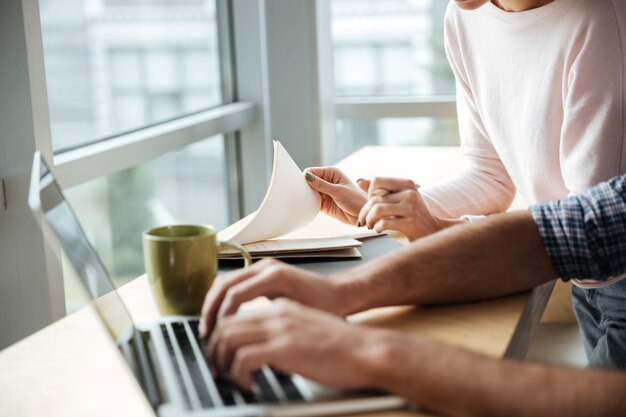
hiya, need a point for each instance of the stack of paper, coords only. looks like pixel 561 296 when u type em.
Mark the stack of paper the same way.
pixel 288 206
pixel 339 247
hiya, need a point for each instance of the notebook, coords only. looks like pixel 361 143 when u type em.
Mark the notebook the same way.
pixel 288 221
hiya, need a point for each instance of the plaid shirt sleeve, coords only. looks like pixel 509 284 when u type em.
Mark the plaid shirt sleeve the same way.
pixel 585 235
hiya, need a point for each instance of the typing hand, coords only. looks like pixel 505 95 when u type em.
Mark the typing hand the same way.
pixel 341 198
pixel 396 204
pixel 294 338
pixel 272 279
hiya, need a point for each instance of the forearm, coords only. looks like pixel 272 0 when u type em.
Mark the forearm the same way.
pixel 471 191
pixel 501 255
pixel 458 382
pixel 585 232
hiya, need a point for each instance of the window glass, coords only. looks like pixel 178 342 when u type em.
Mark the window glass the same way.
pixel 348 57
pixel 423 131
pixel 392 47
pixel 396 75
pixel 125 70
pixel 184 186
pixel 193 65
pixel 114 65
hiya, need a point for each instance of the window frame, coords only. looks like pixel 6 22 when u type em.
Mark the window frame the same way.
pixel 85 163
pixel 373 108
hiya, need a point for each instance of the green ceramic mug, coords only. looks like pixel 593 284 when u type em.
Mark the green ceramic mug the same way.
pixel 181 263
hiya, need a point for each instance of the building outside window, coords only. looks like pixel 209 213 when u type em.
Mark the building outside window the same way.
pixel 385 49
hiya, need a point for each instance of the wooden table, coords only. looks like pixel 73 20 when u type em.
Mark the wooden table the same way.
pixel 71 368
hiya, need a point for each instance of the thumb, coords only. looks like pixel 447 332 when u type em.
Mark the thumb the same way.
pixel 363 184
pixel 320 185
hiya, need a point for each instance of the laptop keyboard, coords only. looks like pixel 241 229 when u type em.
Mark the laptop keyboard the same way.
pixel 193 365
pixel 201 389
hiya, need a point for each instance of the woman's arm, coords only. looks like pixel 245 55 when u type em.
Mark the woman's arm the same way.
pixel 484 185
pixel 593 134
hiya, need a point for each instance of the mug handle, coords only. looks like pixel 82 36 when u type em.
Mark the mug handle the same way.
pixel 247 259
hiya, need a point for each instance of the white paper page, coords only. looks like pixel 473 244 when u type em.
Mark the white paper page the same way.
pixel 288 204
pixel 325 226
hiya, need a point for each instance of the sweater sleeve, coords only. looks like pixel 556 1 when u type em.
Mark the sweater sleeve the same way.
pixel 483 186
pixel 585 235
pixel 592 135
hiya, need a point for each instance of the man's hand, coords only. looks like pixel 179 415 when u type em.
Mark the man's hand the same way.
pixel 446 379
pixel 341 198
pixel 296 339
pixel 272 279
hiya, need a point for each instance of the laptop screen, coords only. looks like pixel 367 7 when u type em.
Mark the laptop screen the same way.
pixel 49 204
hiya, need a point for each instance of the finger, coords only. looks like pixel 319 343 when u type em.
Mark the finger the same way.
pixel 323 186
pixel 367 207
pixel 249 358
pixel 331 174
pixel 216 294
pixel 380 192
pixel 412 203
pixel 270 283
pixel 392 224
pixel 383 210
pixel 403 198
pixel 363 184
pixel 392 185
pixel 231 323
pixel 232 340
pixel 373 202
pixel 387 198
pixel 234 332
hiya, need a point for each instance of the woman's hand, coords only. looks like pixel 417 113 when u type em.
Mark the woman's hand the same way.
pixel 341 198
pixel 396 204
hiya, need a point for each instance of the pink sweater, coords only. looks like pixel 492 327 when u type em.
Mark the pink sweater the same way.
pixel 541 102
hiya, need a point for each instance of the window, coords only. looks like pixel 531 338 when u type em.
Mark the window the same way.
pixel 390 55
pixel 154 84
pixel 157 69
pixel 373 69
pixel 115 66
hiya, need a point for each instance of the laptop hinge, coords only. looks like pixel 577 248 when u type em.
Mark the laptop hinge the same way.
pixel 135 351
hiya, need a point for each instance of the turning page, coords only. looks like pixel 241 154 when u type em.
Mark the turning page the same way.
pixel 289 204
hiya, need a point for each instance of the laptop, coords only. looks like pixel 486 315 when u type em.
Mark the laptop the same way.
pixel 166 356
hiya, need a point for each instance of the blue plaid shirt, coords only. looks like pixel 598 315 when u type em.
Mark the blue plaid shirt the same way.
pixel 585 234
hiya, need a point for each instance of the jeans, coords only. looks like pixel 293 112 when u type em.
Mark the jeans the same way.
pixel 601 314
